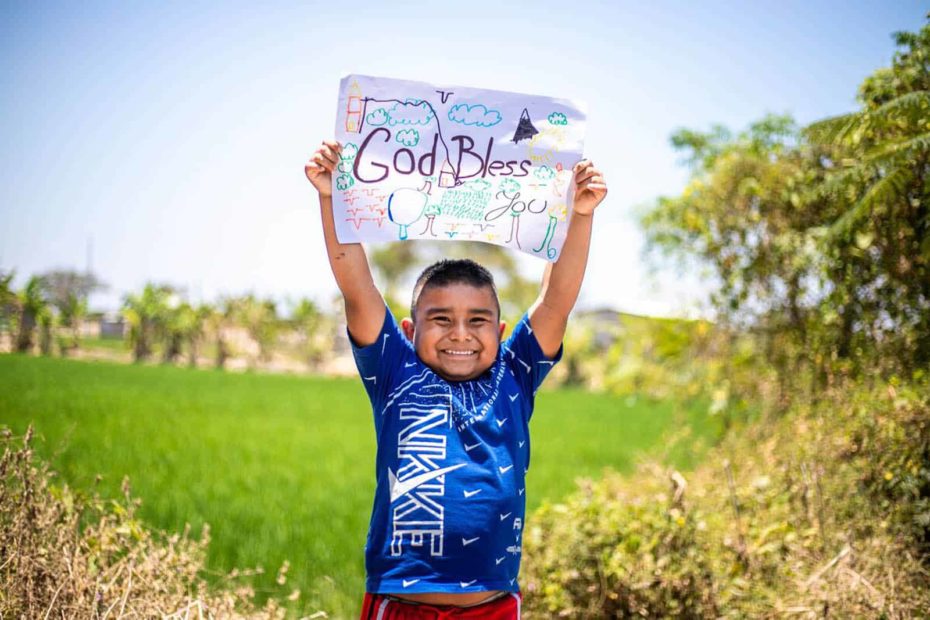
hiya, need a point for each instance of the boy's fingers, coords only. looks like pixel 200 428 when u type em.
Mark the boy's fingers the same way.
pixel 322 161
pixel 587 174
pixel 332 144
pixel 329 154
pixel 580 165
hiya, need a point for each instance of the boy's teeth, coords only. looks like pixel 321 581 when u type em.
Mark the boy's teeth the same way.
pixel 459 352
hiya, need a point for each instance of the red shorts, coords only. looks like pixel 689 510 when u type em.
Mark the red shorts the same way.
pixel 386 607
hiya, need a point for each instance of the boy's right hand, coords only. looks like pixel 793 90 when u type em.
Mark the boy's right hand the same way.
pixel 319 169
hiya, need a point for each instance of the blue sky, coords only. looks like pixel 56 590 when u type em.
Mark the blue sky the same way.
pixel 173 134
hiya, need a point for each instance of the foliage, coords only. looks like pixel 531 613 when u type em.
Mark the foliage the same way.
pixel 31 306
pixel 146 315
pixel 260 318
pixel 823 510
pixel 818 240
pixel 65 553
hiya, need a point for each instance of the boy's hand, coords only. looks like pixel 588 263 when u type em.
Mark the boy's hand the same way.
pixel 590 188
pixel 319 169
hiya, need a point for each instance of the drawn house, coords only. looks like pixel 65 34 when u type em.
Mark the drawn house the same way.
pixel 354 108
pixel 447 175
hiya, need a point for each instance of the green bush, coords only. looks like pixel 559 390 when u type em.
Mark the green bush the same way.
pixel 822 510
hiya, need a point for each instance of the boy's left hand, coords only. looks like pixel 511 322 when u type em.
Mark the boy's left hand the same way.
pixel 590 188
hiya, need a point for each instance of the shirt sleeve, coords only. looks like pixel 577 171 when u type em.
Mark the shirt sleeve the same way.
pixel 526 358
pixel 381 363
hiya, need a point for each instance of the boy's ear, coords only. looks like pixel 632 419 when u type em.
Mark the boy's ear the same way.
pixel 503 327
pixel 406 324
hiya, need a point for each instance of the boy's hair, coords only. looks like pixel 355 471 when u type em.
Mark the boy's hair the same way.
pixel 453 271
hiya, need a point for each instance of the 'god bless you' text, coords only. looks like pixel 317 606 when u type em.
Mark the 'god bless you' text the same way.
pixel 467 162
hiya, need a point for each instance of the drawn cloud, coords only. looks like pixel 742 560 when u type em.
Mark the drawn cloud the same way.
pixel 509 185
pixel 544 173
pixel 377 118
pixel 476 114
pixel 557 118
pixel 408 137
pixel 478 185
pixel 411 112
pixel 349 150
pixel 344 181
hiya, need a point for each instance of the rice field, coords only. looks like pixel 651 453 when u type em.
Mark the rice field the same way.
pixel 282 467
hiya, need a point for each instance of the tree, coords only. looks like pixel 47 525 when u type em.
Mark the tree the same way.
pixel 259 318
pixel 880 243
pixel 309 321
pixel 145 313
pixel 67 292
pixel 31 307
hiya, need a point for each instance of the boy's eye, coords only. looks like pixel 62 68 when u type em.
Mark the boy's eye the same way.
pixel 442 320
pixel 479 321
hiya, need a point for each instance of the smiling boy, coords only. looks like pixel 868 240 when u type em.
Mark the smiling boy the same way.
pixel 451 407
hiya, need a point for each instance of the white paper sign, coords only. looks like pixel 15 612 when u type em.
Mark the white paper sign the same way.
pixel 421 161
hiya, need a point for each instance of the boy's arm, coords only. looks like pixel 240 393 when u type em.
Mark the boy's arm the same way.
pixel 562 280
pixel 363 302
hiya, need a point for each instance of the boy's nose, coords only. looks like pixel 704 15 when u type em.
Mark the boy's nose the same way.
pixel 460 332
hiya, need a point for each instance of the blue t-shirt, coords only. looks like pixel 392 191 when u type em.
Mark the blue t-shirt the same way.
pixel 451 465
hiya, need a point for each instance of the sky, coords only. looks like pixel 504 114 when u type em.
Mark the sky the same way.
pixel 165 141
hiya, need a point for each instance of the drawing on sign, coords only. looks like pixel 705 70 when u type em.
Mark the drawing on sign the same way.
pixel 421 161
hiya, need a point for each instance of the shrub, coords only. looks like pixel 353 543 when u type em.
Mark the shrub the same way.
pixel 67 555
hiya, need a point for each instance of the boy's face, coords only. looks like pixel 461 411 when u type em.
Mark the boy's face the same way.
pixel 456 330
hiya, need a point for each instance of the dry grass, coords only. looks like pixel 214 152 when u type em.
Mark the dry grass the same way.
pixel 67 555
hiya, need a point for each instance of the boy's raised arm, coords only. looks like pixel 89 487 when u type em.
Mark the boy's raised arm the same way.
pixel 363 302
pixel 562 280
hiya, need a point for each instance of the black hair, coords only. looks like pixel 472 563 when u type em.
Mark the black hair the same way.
pixel 453 271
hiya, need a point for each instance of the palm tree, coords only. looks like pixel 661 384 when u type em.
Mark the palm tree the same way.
pixel 309 320
pixel 881 166
pixel 259 318
pixel 32 305
pixel 145 313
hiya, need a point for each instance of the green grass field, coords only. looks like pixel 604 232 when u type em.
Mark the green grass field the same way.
pixel 282 467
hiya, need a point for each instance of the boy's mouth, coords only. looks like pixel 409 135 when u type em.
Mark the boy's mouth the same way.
pixel 458 352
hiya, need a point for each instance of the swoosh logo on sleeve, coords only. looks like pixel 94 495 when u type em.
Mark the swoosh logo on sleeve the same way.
pixel 499 560
pixel 402 487
pixel 373 379
pixel 469 448
pixel 465 584
pixel 525 365
pixel 514 397
pixel 470 493
pixel 521 491
pixel 409 583
pixel 384 344
pixel 409 364
pixel 468 541
pixel 545 362
pixel 500 423
pixel 522 443
pixel 505 516
pixel 512 580
pixel 504 470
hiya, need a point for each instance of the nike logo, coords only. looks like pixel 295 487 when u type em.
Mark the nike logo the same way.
pixel 500 423
pixel 528 328
pixel 506 515
pixel 469 448
pixel 504 470
pixel 499 560
pixel 384 343
pixel 407 584
pixel 373 379
pixel 545 362
pixel 521 490
pixel 409 364
pixel 525 365
pixel 512 580
pixel 470 493
pixel 465 584
pixel 522 443
pixel 468 541
pixel 402 487
pixel 514 397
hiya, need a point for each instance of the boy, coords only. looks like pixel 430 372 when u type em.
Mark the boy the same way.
pixel 451 407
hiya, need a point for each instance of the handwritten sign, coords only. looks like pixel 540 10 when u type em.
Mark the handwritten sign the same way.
pixel 421 161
